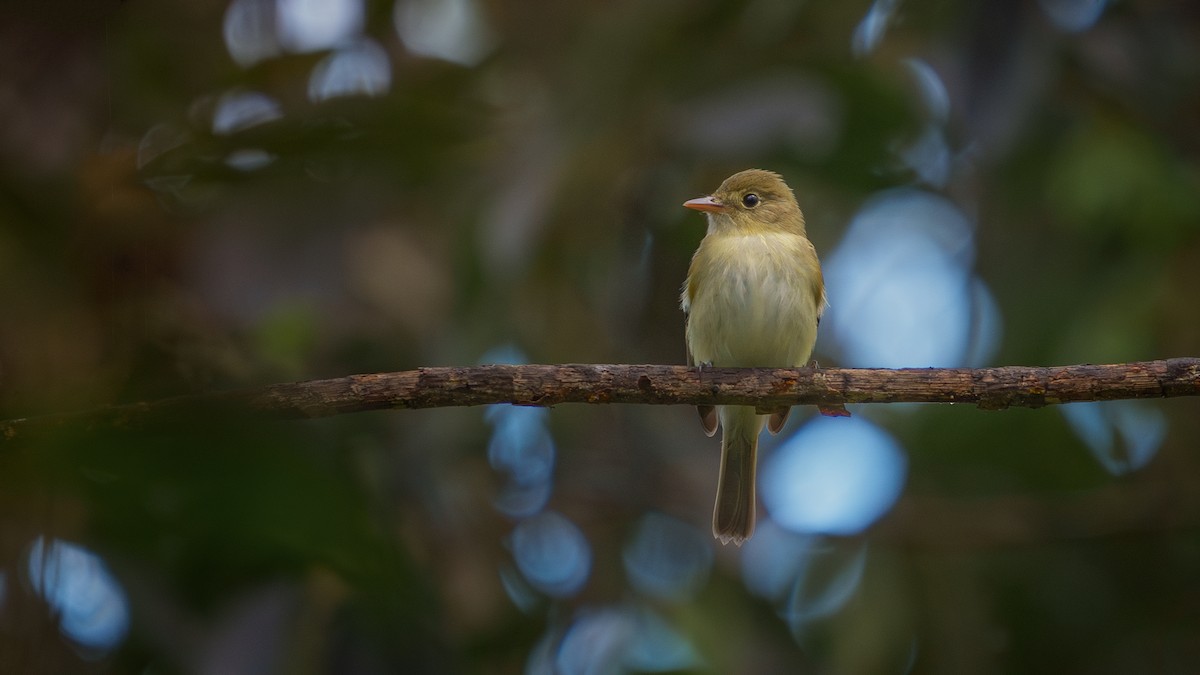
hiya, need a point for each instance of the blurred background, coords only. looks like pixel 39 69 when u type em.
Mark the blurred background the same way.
pixel 211 194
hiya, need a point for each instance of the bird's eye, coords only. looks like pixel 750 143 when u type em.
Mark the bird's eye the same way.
pixel 751 200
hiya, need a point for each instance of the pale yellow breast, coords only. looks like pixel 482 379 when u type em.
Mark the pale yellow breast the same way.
pixel 753 300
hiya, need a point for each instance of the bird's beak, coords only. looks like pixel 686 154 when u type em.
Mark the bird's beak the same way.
pixel 705 204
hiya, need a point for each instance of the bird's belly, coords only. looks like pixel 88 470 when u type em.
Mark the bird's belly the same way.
pixel 759 315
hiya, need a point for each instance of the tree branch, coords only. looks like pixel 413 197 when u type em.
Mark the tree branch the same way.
pixel 547 385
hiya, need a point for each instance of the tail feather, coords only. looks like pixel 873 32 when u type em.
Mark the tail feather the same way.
pixel 733 515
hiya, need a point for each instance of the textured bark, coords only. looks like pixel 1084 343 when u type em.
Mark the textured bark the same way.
pixel 541 385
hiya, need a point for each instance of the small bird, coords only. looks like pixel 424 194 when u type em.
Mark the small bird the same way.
pixel 753 297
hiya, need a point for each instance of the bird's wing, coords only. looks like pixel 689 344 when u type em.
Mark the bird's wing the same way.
pixel 708 413
pixel 817 282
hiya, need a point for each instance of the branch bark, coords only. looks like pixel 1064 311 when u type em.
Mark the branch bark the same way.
pixel 547 385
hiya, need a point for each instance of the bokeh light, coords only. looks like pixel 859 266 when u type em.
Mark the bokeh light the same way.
pixel 551 553
pixel 250 31
pixel 807 577
pixel 931 90
pixel 901 291
pixel 1074 15
pixel 358 69
pixel 452 30
pixel 833 476
pixel 1123 436
pixel 667 558
pixel 874 24
pixel 520 447
pixel 91 606
pixel 240 110
pixel 613 639
pixel 315 25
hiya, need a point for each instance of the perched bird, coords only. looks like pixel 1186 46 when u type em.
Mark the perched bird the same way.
pixel 753 297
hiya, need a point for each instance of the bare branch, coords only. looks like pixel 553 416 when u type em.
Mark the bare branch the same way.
pixel 547 385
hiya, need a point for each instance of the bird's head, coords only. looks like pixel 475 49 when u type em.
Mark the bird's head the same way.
pixel 750 201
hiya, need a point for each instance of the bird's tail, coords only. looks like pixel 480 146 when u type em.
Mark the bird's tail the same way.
pixel 733 515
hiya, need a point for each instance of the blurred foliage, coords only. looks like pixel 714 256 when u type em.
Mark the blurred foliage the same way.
pixel 531 198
